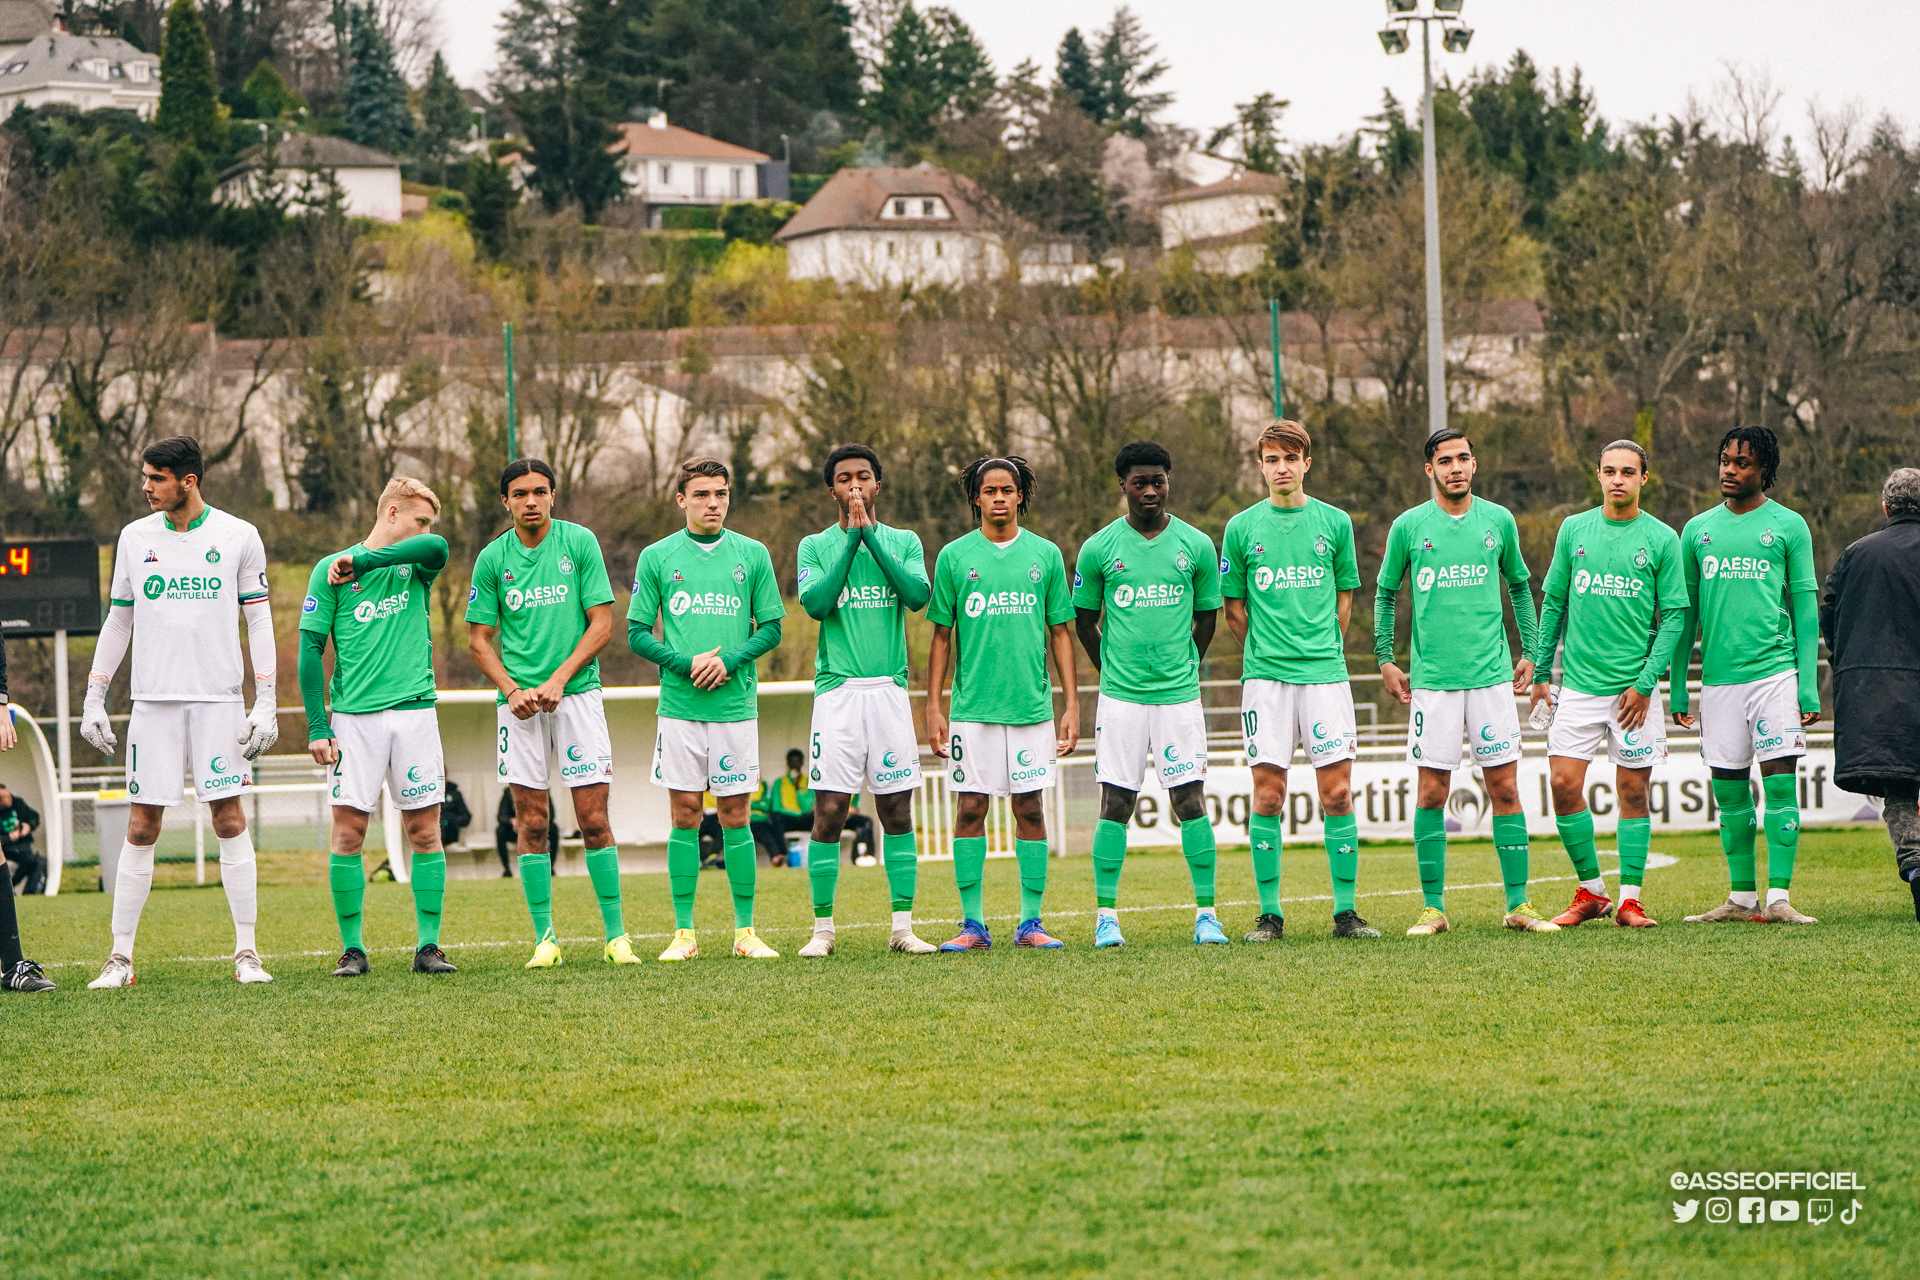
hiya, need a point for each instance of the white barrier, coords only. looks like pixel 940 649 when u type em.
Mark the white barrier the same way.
pixel 1679 795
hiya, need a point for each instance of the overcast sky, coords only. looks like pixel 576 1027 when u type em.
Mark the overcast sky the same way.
pixel 1641 57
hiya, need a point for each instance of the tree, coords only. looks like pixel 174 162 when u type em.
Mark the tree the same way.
pixel 444 118
pixel 1123 72
pixel 1254 133
pixel 1542 140
pixel 564 112
pixel 268 96
pixel 491 200
pixel 190 110
pixel 931 68
pixel 376 99
pixel 1075 77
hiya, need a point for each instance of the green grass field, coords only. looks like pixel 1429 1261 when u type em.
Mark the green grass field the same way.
pixel 1476 1104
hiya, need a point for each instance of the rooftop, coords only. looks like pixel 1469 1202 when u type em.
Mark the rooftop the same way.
pixel 54 58
pixel 670 141
pixel 853 199
pixel 312 151
pixel 1240 184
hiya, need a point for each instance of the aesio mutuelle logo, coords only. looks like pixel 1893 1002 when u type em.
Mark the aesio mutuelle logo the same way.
pixel 188 588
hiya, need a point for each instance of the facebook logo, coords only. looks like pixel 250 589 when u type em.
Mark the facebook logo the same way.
pixel 1753 1209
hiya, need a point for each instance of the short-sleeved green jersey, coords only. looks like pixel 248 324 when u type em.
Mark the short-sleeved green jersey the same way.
pixel 1290 565
pixel 1741 569
pixel 1150 589
pixel 866 634
pixel 539 597
pixel 1459 566
pixel 999 598
pixel 710 594
pixel 1612 578
pixel 382 631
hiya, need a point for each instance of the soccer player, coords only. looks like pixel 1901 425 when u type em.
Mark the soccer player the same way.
pixel 1146 595
pixel 1617 588
pixel 541 588
pixel 1750 581
pixel 1459 550
pixel 183 578
pixel 720 607
pixel 859 579
pixel 1000 596
pixel 1288 577
pixel 375 600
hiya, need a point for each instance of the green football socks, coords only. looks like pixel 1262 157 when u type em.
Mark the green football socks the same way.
pixel 1510 842
pixel 1635 837
pixel 349 884
pixel 1032 857
pixel 1430 851
pixel 1576 833
pixel 743 872
pixel 1736 830
pixel 429 875
pixel 903 868
pixel 1783 829
pixel 1343 857
pixel 1196 842
pixel 823 875
pixel 1264 831
pixel 969 867
pixel 536 881
pixel 603 868
pixel 683 874
pixel 1109 854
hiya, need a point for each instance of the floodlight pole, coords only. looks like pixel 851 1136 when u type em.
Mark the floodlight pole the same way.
pixel 513 408
pixel 1436 339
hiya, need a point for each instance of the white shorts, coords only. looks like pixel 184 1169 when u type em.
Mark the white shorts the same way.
pixel 863 734
pixel 577 731
pixel 702 755
pixel 1126 733
pixel 1442 717
pixel 400 748
pixel 1275 716
pixel 1000 759
pixel 163 737
pixel 1582 721
pixel 1759 720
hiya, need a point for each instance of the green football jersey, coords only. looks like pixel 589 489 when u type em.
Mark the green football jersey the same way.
pixel 711 594
pixel 866 634
pixel 539 597
pixel 999 598
pixel 382 631
pixel 1290 565
pixel 1611 579
pixel 1459 567
pixel 1741 570
pixel 1149 588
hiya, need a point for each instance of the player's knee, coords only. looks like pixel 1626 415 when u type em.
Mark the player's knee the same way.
pixel 1188 803
pixel 227 820
pixel 1336 798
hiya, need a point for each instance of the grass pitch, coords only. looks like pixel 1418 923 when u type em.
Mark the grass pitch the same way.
pixel 1476 1104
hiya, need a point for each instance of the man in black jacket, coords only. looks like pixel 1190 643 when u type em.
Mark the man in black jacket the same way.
pixel 1870 617
pixel 18 823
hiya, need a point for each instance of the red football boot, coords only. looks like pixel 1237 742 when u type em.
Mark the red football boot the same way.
pixel 1585 906
pixel 1631 916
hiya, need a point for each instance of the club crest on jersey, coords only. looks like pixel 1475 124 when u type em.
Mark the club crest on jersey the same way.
pixel 1640 558
pixel 213 553
pixel 1489 540
pixel 1033 574
pixel 405 571
pixel 1766 539
pixel 1181 562
pixel 566 564
pixel 1321 546
pixel 739 573
pixel 151 558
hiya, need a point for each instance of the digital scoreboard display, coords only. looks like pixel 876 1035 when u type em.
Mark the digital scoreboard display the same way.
pixel 49 585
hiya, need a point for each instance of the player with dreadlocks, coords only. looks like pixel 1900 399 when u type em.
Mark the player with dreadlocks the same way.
pixel 1749 569
pixel 1000 597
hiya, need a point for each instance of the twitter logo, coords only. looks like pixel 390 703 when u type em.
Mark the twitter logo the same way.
pixel 1685 1212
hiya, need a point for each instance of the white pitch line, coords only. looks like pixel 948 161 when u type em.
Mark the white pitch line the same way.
pixel 643 937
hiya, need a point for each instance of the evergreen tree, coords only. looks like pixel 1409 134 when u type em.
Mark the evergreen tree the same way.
pixel 564 111
pixel 1254 133
pixel 1124 72
pixel 190 110
pixel 376 97
pixel 931 66
pixel 445 120
pixel 491 200
pixel 1075 77
pixel 269 95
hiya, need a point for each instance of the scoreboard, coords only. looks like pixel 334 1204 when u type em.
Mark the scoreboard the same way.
pixel 49 585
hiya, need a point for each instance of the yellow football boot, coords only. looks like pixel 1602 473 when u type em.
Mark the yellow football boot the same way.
pixel 620 951
pixel 547 954
pixel 683 947
pixel 747 943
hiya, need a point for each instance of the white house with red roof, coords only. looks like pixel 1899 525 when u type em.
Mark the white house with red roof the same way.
pixel 665 165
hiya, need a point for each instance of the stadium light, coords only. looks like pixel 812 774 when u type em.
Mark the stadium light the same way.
pixel 1454 38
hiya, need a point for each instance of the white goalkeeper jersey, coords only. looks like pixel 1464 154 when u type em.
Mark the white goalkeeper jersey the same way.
pixel 186 589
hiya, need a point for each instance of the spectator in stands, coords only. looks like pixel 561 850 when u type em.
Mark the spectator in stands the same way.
pixel 454 815
pixel 1870 617
pixel 506 836
pixel 18 822
pixel 760 822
